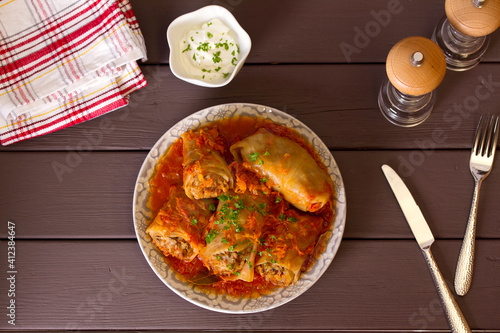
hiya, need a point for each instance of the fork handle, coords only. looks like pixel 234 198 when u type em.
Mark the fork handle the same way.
pixel 465 264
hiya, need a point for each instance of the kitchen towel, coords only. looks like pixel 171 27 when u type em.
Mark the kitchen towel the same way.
pixel 63 62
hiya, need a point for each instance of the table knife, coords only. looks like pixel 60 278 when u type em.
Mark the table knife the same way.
pixel 424 238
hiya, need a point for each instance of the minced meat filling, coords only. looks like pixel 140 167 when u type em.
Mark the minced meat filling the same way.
pixel 275 274
pixel 175 246
pixel 217 186
pixel 229 262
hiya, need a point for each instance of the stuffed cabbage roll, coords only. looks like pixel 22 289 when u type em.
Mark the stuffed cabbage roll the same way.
pixel 205 170
pixel 287 247
pixel 288 167
pixel 233 235
pixel 178 227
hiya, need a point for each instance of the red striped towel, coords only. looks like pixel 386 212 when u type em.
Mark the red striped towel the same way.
pixel 63 62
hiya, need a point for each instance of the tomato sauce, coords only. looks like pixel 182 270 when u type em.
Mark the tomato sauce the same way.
pixel 168 176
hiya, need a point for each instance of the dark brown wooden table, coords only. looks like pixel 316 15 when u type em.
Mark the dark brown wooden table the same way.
pixel 78 262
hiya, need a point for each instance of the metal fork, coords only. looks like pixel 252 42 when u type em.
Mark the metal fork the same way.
pixel 481 162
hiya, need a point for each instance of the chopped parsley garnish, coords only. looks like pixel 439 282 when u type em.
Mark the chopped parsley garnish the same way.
pixel 292 219
pixel 212 207
pixel 218 257
pixel 264 180
pixel 249 264
pixel 225 74
pixel 194 56
pixel 218 69
pixel 224 45
pixel 224 210
pixel 231 248
pixel 187 48
pixel 238 228
pixel 192 39
pixel 209 24
pixel 206 71
pixel 261 208
pixel 233 214
pixel 237 273
pixel 224 241
pixel 209 35
pixel 278 199
pixel 273 237
pixel 211 236
pixel 234 61
pixel 261 162
pixel 204 47
pixel 194 221
pixel 266 153
pixel 224 197
pixel 240 204
pixel 233 53
pixel 216 58
pixel 253 157
pixel 282 216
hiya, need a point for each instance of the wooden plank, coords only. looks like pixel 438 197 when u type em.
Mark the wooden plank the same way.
pixel 108 285
pixel 338 102
pixel 94 200
pixel 361 31
pixel 69 195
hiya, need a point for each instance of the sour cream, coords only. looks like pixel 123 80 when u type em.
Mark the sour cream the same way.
pixel 209 52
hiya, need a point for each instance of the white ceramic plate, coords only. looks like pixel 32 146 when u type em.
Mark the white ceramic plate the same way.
pixel 220 303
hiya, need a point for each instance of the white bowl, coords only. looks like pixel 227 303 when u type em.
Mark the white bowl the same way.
pixel 181 25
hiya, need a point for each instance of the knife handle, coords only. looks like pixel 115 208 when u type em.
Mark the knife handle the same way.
pixel 453 314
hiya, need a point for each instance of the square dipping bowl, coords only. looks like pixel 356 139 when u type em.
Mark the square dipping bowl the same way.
pixel 181 25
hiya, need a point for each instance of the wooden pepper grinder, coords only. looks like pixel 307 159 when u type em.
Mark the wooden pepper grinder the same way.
pixel 415 67
pixel 463 33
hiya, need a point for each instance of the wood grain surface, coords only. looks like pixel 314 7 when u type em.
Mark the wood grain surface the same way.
pixel 338 102
pixel 108 285
pixel 308 31
pixel 70 193
pixel 94 200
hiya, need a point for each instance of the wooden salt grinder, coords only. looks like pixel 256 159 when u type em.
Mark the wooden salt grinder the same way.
pixel 415 67
pixel 463 34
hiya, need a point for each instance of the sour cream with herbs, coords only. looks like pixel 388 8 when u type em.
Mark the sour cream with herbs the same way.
pixel 210 52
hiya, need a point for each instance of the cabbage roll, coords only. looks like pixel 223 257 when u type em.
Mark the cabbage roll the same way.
pixel 287 246
pixel 205 170
pixel 178 227
pixel 233 235
pixel 287 167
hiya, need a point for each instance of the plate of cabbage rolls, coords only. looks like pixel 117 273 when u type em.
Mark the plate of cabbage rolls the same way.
pixel 239 208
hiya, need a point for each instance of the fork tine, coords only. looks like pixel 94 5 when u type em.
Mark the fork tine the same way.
pixel 484 142
pixel 475 147
pixel 495 137
pixel 487 142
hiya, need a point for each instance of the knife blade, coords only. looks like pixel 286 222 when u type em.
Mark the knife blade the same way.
pixel 410 209
pixel 424 238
